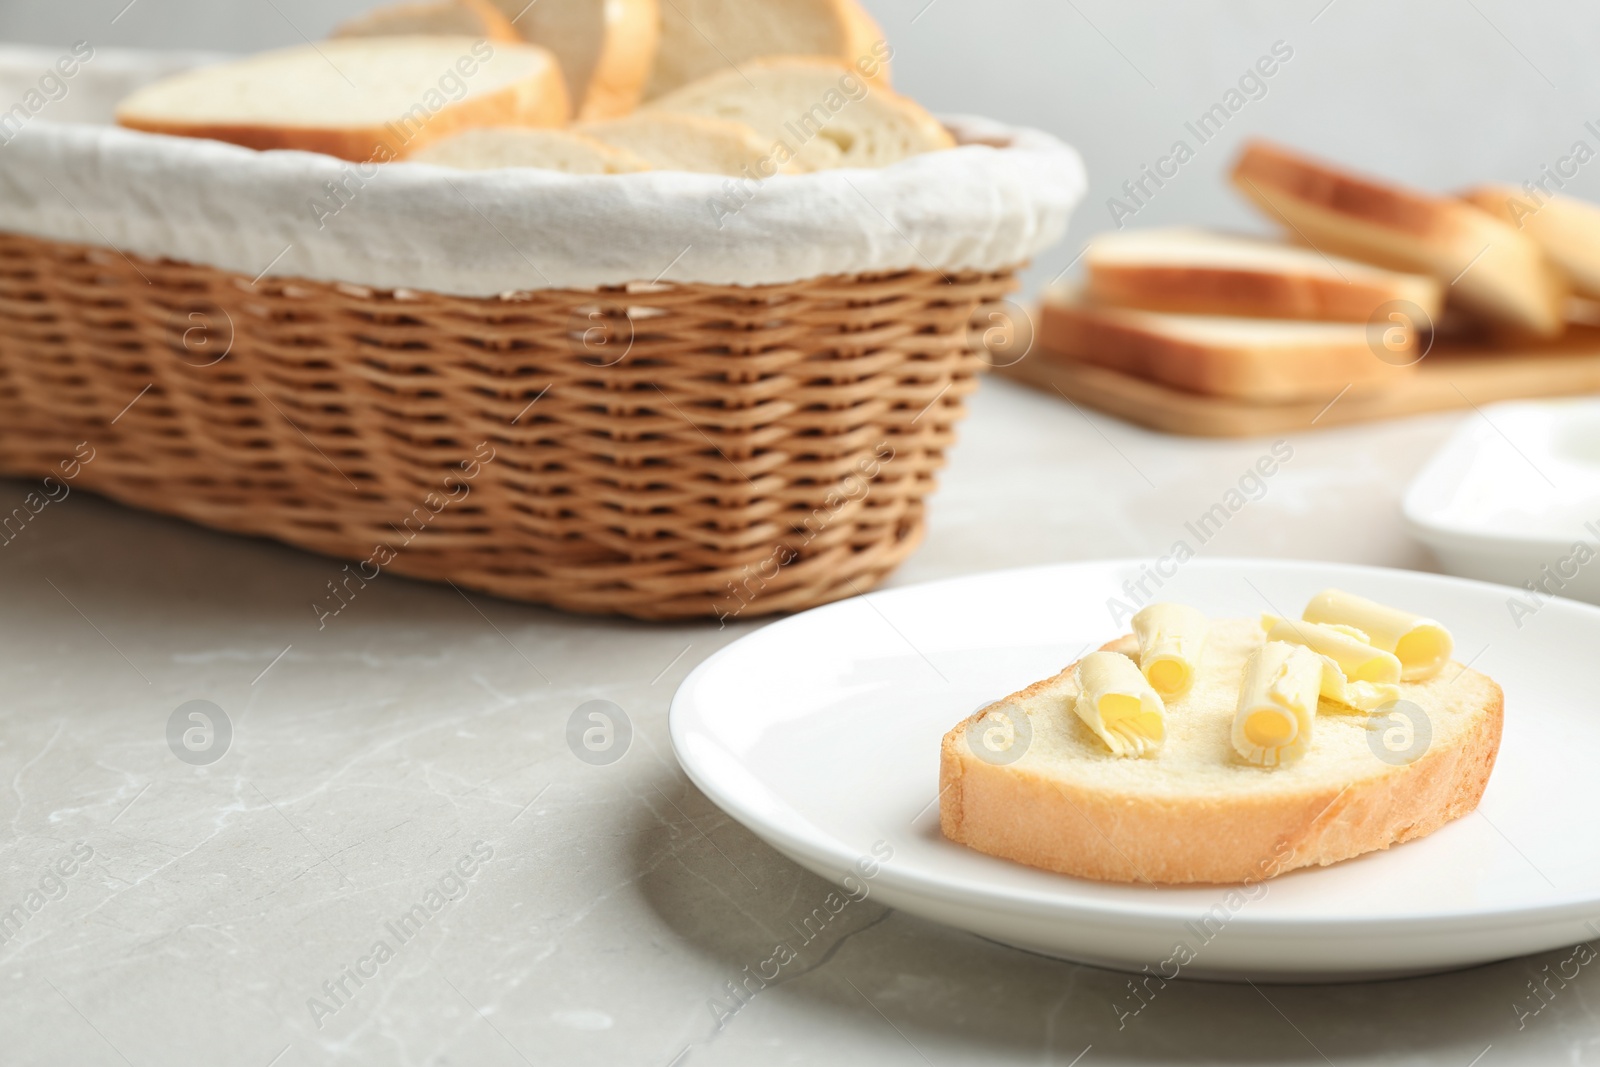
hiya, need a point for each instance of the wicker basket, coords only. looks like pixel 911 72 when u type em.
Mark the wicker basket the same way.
pixel 661 451
pixel 292 345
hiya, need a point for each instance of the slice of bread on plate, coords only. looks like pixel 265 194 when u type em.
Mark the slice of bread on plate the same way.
pixel 1488 267
pixel 1258 360
pixel 492 147
pixel 697 143
pixel 1568 229
pixel 815 112
pixel 358 98
pixel 1192 271
pixel 1194 811
pixel 703 37
pixel 450 18
pixel 606 47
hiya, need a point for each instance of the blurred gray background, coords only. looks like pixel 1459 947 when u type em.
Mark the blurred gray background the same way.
pixel 1439 93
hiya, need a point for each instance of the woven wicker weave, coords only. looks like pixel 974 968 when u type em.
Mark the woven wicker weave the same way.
pixel 660 451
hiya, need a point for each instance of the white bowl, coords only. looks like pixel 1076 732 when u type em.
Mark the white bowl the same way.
pixel 1514 498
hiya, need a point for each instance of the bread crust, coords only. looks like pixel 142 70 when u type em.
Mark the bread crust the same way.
pixel 1390 206
pixel 1123 837
pixel 540 99
pixel 1272 294
pixel 861 33
pixel 1493 269
pixel 633 32
pixel 1264 374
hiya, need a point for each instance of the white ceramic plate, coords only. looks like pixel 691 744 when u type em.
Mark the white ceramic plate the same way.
pixel 821 734
pixel 1512 493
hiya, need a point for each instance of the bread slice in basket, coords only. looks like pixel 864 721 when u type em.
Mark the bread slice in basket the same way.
pixel 1195 812
pixel 360 98
pixel 493 147
pixel 703 37
pixel 1493 271
pixel 696 143
pixel 449 18
pixel 817 112
pixel 1197 272
pixel 606 47
pixel 1260 360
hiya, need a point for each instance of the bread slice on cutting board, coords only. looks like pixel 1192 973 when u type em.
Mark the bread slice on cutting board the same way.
pixel 1194 811
pixel 1259 360
pixel 359 98
pixel 1568 229
pixel 1192 271
pixel 449 18
pixel 1488 267
pixel 703 37
pixel 669 141
pixel 605 47
pixel 816 112
pixel 492 147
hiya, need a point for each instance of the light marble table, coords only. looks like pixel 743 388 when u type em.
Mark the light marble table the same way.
pixel 228 913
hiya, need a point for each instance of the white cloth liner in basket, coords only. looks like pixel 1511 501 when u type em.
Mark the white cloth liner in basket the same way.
pixel 1000 198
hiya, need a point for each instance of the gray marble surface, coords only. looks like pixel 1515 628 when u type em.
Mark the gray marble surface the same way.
pixel 176 913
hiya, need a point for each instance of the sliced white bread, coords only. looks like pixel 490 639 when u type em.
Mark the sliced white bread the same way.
pixel 605 47
pixel 684 142
pixel 703 37
pixel 492 147
pixel 1191 271
pixel 816 112
pixel 360 98
pixel 1194 811
pixel 449 18
pixel 1259 360
pixel 1568 229
pixel 1489 268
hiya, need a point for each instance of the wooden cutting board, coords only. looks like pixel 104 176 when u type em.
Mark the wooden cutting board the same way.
pixel 1453 375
